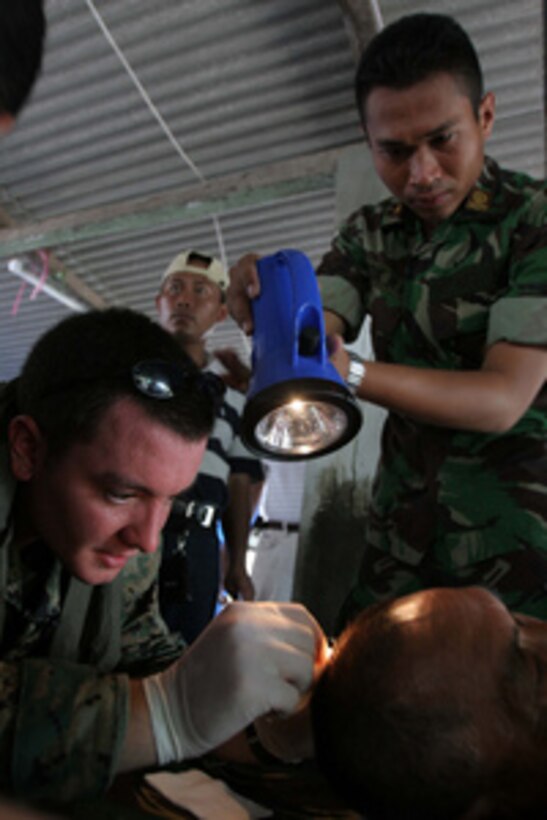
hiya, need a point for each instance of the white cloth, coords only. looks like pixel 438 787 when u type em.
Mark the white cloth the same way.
pixel 271 554
pixel 270 563
pixel 281 498
pixel 206 797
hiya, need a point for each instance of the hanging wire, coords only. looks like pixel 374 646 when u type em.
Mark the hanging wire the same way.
pixel 376 15
pixel 154 111
pixel 220 242
pixel 142 91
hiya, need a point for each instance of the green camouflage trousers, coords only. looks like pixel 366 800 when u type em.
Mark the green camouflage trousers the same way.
pixel 518 578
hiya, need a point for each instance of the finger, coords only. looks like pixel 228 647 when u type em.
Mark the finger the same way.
pixel 298 614
pixel 291 665
pixel 334 344
pixel 283 698
pixel 268 624
pixel 247 326
pixel 230 359
pixel 263 624
pixel 251 278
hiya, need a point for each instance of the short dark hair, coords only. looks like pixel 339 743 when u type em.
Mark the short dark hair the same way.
pixel 385 752
pixel 412 49
pixel 22 35
pixel 84 364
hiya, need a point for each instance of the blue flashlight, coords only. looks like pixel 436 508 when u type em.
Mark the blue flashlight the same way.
pixel 298 406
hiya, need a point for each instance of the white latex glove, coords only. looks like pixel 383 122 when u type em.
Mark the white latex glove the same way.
pixel 290 737
pixel 252 659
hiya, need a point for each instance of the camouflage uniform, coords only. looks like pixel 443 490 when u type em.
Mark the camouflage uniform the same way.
pixel 63 713
pixel 452 507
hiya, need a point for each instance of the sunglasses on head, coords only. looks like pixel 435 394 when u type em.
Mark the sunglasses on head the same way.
pixel 162 380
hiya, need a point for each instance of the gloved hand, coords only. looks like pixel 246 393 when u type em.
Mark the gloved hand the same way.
pixel 254 658
pixel 290 737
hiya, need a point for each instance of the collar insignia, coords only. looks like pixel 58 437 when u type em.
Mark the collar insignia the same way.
pixel 479 200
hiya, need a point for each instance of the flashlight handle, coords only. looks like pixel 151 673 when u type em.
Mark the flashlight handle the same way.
pixel 289 331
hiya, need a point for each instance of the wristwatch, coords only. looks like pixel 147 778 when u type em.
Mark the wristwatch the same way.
pixel 356 372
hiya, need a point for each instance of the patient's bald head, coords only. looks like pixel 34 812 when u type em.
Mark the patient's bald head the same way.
pixel 435 706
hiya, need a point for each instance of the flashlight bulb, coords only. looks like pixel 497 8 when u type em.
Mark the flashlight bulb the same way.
pixel 301 427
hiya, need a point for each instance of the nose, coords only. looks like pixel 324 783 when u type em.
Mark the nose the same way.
pixel 143 532
pixel 185 296
pixel 424 168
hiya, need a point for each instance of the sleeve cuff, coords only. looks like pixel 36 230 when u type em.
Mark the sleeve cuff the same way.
pixel 340 297
pixel 519 319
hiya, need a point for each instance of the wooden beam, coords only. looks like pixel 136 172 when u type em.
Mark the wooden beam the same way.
pixel 59 271
pixel 257 187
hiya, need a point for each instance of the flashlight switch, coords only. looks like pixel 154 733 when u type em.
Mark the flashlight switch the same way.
pixel 309 341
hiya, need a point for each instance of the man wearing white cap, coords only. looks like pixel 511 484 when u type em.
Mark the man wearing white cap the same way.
pixel 191 301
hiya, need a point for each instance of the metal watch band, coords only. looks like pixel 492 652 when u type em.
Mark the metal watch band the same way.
pixel 356 372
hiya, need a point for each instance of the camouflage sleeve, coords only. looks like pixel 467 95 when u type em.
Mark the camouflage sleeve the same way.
pixel 61 728
pixel 343 282
pixel 521 315
pixel 62 724
pixel 147 644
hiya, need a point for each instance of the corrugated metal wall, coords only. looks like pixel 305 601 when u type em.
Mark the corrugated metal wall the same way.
pixel 239 84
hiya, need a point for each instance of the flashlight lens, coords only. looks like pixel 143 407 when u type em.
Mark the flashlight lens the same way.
pixel 301 427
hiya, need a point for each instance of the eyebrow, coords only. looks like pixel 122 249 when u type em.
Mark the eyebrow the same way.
pixel 435 132
pixel 121 481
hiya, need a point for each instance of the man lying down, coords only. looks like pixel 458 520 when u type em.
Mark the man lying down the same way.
pixel 435 706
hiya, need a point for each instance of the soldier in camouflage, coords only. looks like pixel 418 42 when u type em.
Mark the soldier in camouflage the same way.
pixel 84 491
pixel 107 423
pixel 452 270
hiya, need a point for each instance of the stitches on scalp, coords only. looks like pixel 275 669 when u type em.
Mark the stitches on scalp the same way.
pixel 412 49
pixel 79 368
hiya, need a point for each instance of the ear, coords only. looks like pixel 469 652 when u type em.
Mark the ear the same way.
pixel 26 447
pixel 487 113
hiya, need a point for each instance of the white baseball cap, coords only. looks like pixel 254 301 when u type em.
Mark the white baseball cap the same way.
pixel 212 268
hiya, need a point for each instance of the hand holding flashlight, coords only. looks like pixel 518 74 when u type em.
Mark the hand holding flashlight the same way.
pixel 338 355
pixel 244 286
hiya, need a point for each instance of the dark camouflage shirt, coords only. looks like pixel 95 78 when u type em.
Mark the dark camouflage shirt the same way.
pixel 62 721
pixel 438 301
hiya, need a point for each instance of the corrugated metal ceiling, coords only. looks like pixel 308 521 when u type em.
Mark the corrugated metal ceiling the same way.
pixel 240 84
